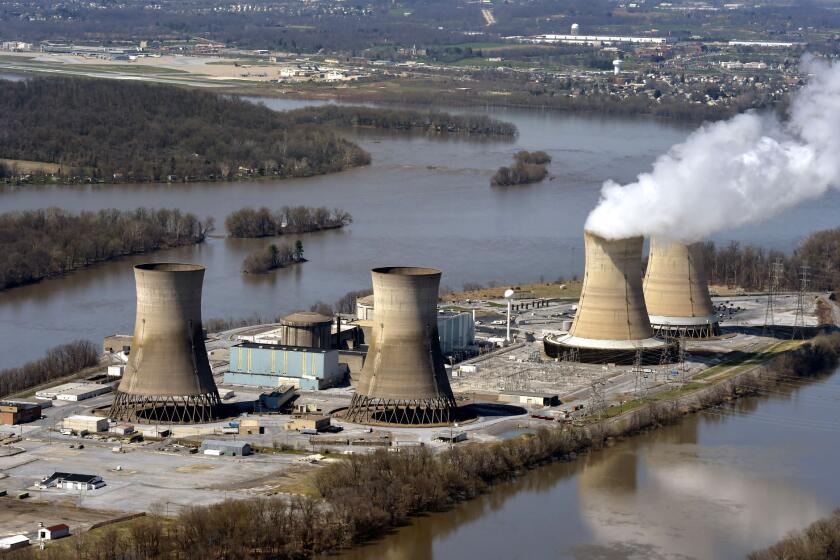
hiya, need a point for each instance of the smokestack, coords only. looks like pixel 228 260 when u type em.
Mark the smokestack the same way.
pixel 168 375
pixel 611 324
pixel 404 380
pixel 677 292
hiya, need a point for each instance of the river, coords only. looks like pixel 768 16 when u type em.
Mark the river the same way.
pixel 423 201
pixel 718 485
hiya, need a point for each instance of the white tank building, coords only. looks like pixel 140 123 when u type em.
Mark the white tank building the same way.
pixel 611 324
pixel 575 29
pixel 617 66
pixel 677 291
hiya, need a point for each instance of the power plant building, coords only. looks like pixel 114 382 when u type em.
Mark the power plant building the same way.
pixel 456 331
pixel 403 380
pixel 273 365
pixel 611 324
pixel 168 376
pixel 677 291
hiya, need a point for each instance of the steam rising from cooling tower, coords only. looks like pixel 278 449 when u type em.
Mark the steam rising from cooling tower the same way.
pixel 677 292
pixel 734 172
pixel 168 375
pixel 404 380
pixel 611 324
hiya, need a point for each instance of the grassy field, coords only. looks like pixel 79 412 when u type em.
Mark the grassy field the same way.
pixel 546 290
pixel 26 166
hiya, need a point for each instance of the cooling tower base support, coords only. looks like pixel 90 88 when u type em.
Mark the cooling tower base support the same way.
pixel 688 331
pixel 647 352
pixel 193 409
pixel 368 410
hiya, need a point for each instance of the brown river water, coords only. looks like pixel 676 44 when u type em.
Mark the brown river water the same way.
pixel 424 201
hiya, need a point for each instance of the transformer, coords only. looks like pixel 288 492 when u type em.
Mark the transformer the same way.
pixel 168 376
pixel 403 380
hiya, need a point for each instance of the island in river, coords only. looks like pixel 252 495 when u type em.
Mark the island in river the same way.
pixel 97 131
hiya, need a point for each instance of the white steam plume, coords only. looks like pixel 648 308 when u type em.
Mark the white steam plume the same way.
pixel 734 172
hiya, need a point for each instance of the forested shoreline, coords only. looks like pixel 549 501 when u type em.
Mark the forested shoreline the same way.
pixel 111 131
pixel 429 121
pixel 38 244
pixel 263 222
pixel 60 361
pixel 748 267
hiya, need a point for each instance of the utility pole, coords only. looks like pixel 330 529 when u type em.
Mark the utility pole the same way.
pixel 776 271
pixel 799 320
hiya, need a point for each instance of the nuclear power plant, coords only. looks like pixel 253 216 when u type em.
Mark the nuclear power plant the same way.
pixel 611 324
pixel 167 377
pixel 403 380
pixel 677 291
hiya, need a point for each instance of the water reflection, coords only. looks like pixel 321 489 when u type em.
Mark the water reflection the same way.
pixel 713 486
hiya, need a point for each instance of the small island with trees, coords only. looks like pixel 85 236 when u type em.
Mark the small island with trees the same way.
pixel 528 167
pixel 273 257
pixel 73 130
pixel 430 122
pixel 262 222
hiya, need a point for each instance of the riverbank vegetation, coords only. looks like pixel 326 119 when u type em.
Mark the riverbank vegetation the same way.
pixel 113 131
pixel 37 244
pixel 819 541
pixel 59 362
pixel 434 122
pixel 262 222
pixel 364 496
pixel 528 167
pixel 748 267
pixel 272 257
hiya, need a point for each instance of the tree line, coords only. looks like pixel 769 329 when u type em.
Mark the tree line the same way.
pixel 37 244
pixel 60 361
pixel 364 496
pixel 263 222
pixel 748 267
pixel 818 541
pixel 113 131
pixel 528 167
pixel 403 119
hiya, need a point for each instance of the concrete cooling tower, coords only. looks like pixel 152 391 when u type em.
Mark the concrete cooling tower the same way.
pixel 168 377
pixel 677 292
pixel 403 380
pixel 611 324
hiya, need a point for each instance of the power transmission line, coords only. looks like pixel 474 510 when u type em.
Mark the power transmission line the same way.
pixel 773 283
pixel 799 319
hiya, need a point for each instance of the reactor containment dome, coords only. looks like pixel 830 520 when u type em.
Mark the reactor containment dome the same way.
pixel 168 376
pixel 677 291
pixel 403 380
pixel 611 324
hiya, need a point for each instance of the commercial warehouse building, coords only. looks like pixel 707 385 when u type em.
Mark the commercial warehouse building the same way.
pixel 73 391
pixel 273 365
pixel 81 423
pixel 222 447
pixel 14 542
pixel 72 481
pixel 12 412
